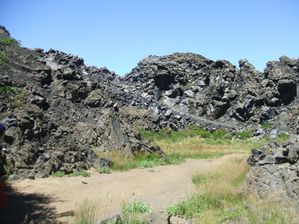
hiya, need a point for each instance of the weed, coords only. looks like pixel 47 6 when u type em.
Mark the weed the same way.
pixel 267 125
pixel 133 212
pixel 135 207
pixel 140 160
pixel 10 90
pixel 105 169
pixel 283 136
pixel 58 173
pixel 2 57
pixel 244 134
pixel 86 213
pixel 61 173
pixel 199 179
pixel 83 173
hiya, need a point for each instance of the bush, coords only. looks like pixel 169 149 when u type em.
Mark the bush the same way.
pixel 8 41
pixel 267 125
pixel 10 90
pixel 283 136
pixel 194 205
pixel 82 173
pixel 132 212
pixel 2 57
pixel 58 173
pixel 104 169
pixel 243 135
pixel 135 207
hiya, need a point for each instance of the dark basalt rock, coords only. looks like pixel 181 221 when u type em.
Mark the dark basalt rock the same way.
pixel 275 171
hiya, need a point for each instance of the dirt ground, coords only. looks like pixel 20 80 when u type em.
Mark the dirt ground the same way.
pixel 160 187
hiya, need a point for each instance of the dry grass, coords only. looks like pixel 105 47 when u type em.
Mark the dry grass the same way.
pixel 222 198
pixel 224 180
pixel 176 152
pixel 86 213
pixel 270 211
pixel 199 147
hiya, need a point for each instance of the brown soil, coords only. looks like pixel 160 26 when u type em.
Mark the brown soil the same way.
pixel 160 187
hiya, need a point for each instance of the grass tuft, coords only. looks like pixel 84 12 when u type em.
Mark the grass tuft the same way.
pixel 82 173
pixel 61 173
pixel 58 173
pixel 134 212
pixel 105 169
pixel 86 213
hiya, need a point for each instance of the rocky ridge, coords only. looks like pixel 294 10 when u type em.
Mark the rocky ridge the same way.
pixel 58 111
pixel 204 90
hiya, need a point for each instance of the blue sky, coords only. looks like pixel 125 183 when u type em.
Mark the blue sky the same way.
pixel 119 33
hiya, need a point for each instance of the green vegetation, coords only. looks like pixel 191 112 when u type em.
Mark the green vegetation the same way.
pixel 135 207
pixel 104 169
pixel 243 135
pixel 2 57
pixel 82 173
pixel 61 173
pixel 8 41
pixel 221 198
pixel 86 213
pixel 10 90
pixel 189 132
pixel 190 143
pixel 134 212
pixel 218 136
pixel 17 94
pixel 143 160
pixel 58 173
pixel 3 43
pixel 267 125
pixel 282 136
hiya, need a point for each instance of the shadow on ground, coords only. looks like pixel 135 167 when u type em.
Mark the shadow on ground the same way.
pixel 26 208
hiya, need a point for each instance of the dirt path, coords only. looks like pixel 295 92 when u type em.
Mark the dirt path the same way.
pixel 160 187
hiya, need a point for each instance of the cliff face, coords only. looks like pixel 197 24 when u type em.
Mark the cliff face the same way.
pixel 58 110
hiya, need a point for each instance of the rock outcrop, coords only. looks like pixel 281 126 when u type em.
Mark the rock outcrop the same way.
pixel 275 171
pixel 191 86
pixel 58 111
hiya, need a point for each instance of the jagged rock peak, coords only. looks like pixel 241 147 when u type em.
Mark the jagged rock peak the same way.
pixel 4 32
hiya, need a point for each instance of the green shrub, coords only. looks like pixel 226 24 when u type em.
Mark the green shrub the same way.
pixel 58 173
pixel 243 135
pixel 219 134
pixel 83 173
pixel 10 90
pixel 135 207
pixel 8 41
pixel 175 136
pixel 196 204
pixel 2 57
pixel 282 136
pixel 105 169
pixel 267 125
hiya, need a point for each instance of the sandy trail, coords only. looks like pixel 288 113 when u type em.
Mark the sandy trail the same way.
pixel 160 187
